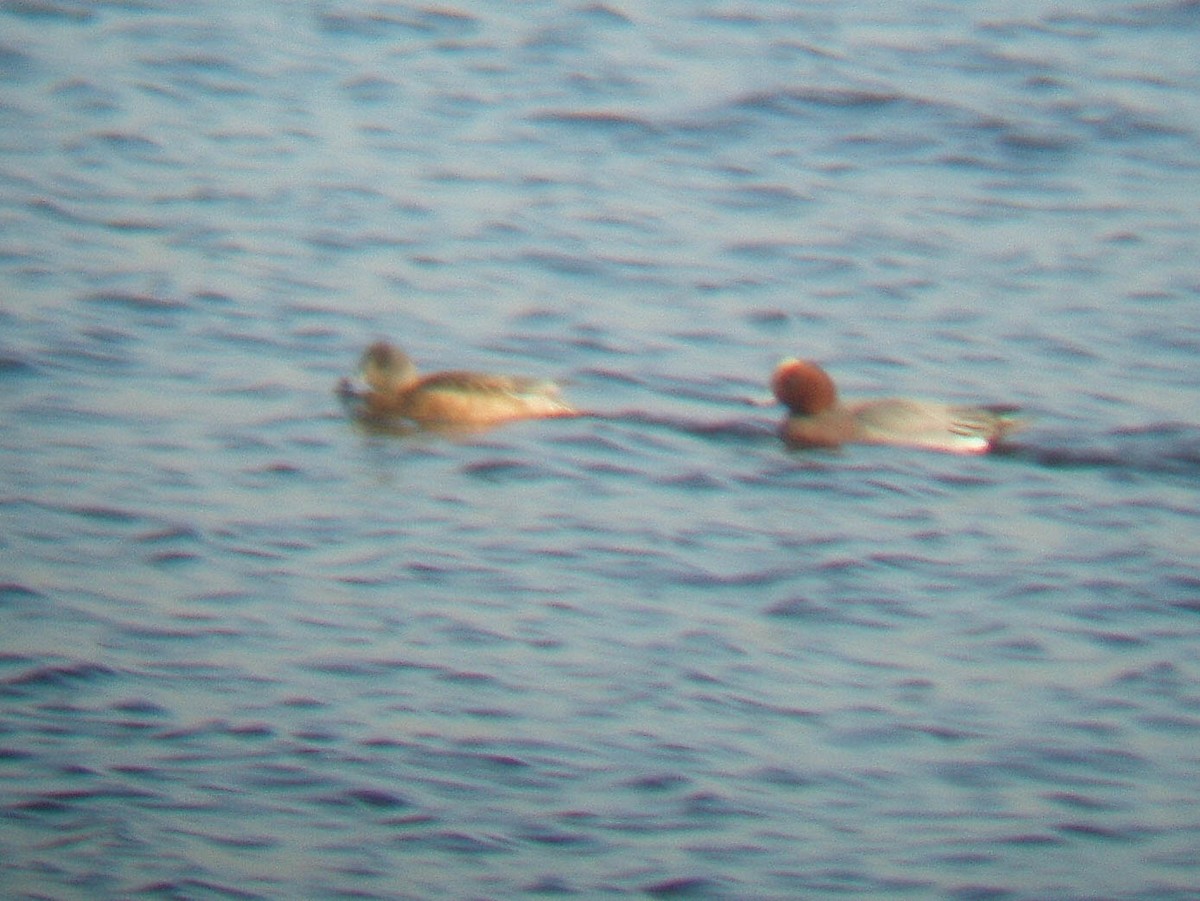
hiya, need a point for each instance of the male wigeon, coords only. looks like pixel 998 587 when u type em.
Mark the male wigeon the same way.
pixel 817 419
pixel 450 399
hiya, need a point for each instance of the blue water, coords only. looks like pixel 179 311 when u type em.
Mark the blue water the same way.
pixel 252 650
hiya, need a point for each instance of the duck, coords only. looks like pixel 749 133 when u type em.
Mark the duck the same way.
pixel 448 399
pixel 817 419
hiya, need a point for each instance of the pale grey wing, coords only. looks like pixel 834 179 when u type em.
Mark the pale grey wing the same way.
pixel 944 426
pixel 991 421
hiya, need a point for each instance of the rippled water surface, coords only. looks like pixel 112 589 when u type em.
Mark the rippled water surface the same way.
pixel 250 649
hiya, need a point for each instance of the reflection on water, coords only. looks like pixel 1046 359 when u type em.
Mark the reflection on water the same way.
pixel 252 648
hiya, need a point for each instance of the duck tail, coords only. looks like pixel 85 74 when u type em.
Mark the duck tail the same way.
pixel 1009 418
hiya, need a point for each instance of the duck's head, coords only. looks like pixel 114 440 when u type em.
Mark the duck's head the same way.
pixel 387 368
pixel 803 387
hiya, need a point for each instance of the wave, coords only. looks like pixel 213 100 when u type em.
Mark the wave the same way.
pixel 786 100
pixel 1167 448
pixel 602 120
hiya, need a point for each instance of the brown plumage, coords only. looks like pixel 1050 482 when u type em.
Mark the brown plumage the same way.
pixel 458 398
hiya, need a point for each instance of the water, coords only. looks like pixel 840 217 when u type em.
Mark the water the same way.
pixel 252 650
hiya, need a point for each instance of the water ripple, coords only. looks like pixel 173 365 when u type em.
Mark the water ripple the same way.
pixel 59 675
pixel 1168 449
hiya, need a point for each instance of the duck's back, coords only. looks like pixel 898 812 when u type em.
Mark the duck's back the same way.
pixel 937 426
pixel 479 398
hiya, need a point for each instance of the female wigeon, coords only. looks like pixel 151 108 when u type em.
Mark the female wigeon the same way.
pixel 451 399
pixel 817 419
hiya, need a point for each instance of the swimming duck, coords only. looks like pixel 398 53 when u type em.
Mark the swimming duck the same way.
pixel 466 399
pixel 817 419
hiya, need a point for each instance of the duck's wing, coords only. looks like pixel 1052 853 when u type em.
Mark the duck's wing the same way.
pixel 482 383
pixel 473 398
pixel 953 428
